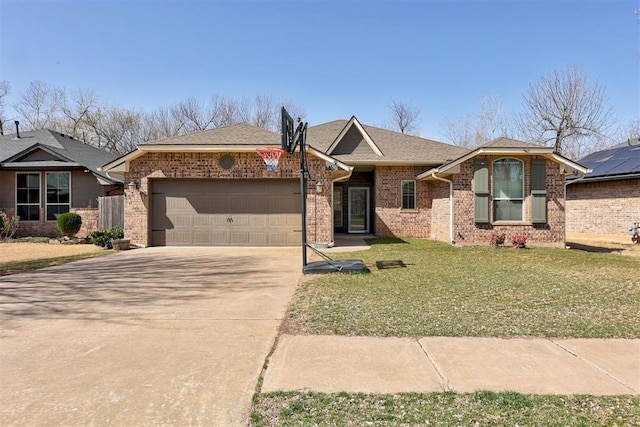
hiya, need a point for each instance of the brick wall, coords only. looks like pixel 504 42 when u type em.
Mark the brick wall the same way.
pixel 36 228
pixel 89 220
pixel 206 165
pixel 603 208
pixel 551 233
pixel 390 219
pixel 440 212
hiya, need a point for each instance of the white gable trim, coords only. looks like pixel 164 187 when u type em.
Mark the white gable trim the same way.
pixel 453 167
pixel 354 122
pixel 34 148
pixel 329 159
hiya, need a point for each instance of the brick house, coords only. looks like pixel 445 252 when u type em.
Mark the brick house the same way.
pixel 211 188
pixel 44 173
pixel 604 203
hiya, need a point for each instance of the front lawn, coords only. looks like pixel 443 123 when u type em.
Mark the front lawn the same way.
pixel 443 409
pixel 425 288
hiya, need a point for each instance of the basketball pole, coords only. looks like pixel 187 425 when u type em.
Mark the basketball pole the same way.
pixel 303 191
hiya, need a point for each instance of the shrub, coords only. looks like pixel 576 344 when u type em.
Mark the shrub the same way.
pixel 497 239
pixel 519 240
pixel 69 223
pixel 103 237
pixel 8 226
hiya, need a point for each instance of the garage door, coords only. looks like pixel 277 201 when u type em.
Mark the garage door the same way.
pixel 202 212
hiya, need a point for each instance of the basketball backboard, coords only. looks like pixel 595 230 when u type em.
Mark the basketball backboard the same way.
pixel 288 132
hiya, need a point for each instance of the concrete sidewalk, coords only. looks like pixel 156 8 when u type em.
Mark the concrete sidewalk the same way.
pixel 393 365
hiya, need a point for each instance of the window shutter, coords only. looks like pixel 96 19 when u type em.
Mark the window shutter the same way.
pixel 481 190
pixel 538 191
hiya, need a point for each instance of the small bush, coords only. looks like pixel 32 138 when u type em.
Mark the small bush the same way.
pixel 103 237
pixel 8 226
pixel 519 240
pixel 69 223
pixel 497 239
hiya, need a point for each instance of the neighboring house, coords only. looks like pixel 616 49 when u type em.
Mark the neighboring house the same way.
pixel 44 173
pixel 211 188
pixel 604 203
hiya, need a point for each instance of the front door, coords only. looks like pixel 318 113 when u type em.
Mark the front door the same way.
pixel 358 209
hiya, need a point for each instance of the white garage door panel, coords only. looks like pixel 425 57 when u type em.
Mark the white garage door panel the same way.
pixel 192 212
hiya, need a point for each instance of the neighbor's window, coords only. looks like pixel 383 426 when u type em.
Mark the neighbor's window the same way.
pixel 508 190
pixel 408 194
pixel 58 200
pixel 28 196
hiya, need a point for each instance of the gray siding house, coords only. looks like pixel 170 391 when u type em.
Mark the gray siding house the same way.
pixel 44 173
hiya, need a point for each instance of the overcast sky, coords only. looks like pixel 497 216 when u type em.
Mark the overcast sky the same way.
pixel 334 58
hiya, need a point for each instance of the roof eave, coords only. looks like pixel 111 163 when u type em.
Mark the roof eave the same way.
pixel 328 158
pixel 391 163
pixel 604 178
pixel 499 151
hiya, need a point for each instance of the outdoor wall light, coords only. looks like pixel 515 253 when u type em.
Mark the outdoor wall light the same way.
pixel 132 186
pixel 319 187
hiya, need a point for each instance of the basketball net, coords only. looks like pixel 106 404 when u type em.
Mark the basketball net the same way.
pixel 271 156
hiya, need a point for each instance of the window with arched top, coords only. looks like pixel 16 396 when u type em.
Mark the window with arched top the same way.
pixel 508 189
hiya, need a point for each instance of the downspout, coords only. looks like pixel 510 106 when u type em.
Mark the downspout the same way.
pixel 451 239
pixel 580 177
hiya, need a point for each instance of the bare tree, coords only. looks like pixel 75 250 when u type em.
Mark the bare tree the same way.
pixel 4 91
pixel 76 107
pixel 476 129
pixel 403 118
pixel 39 105
pixel 116 129
pixel 564 108
pixel 194 116
pixel 264 111
pixel 162 123
pixel 629 132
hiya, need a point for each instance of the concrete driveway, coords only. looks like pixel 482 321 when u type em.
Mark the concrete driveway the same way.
pixel 151 336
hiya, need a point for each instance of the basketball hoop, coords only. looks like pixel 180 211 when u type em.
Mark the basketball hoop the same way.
pixel 270 155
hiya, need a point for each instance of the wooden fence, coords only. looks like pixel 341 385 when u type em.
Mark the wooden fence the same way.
pixel 110 212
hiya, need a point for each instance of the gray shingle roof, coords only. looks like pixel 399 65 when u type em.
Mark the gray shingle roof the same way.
pixel 238 134
pixel 395 146
pixel 71 152
pixel 503 142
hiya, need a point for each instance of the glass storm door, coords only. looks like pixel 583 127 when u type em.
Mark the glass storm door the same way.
pixel 359 210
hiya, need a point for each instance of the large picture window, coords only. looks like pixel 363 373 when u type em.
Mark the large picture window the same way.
pixel 408 194
pixel 508 189
pixel 58 194
pixel 28 196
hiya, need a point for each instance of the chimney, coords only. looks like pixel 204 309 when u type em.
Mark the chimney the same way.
pixel 17 129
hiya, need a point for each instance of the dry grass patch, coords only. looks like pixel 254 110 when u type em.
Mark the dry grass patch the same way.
pixel 15 252
pixel 24 256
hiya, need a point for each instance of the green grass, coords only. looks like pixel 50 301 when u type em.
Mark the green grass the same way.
pixel 443 409
pixel 21 266
pixel 473 291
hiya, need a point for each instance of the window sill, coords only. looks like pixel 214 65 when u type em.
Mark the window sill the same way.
pixel 409 210
pixel 511 223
